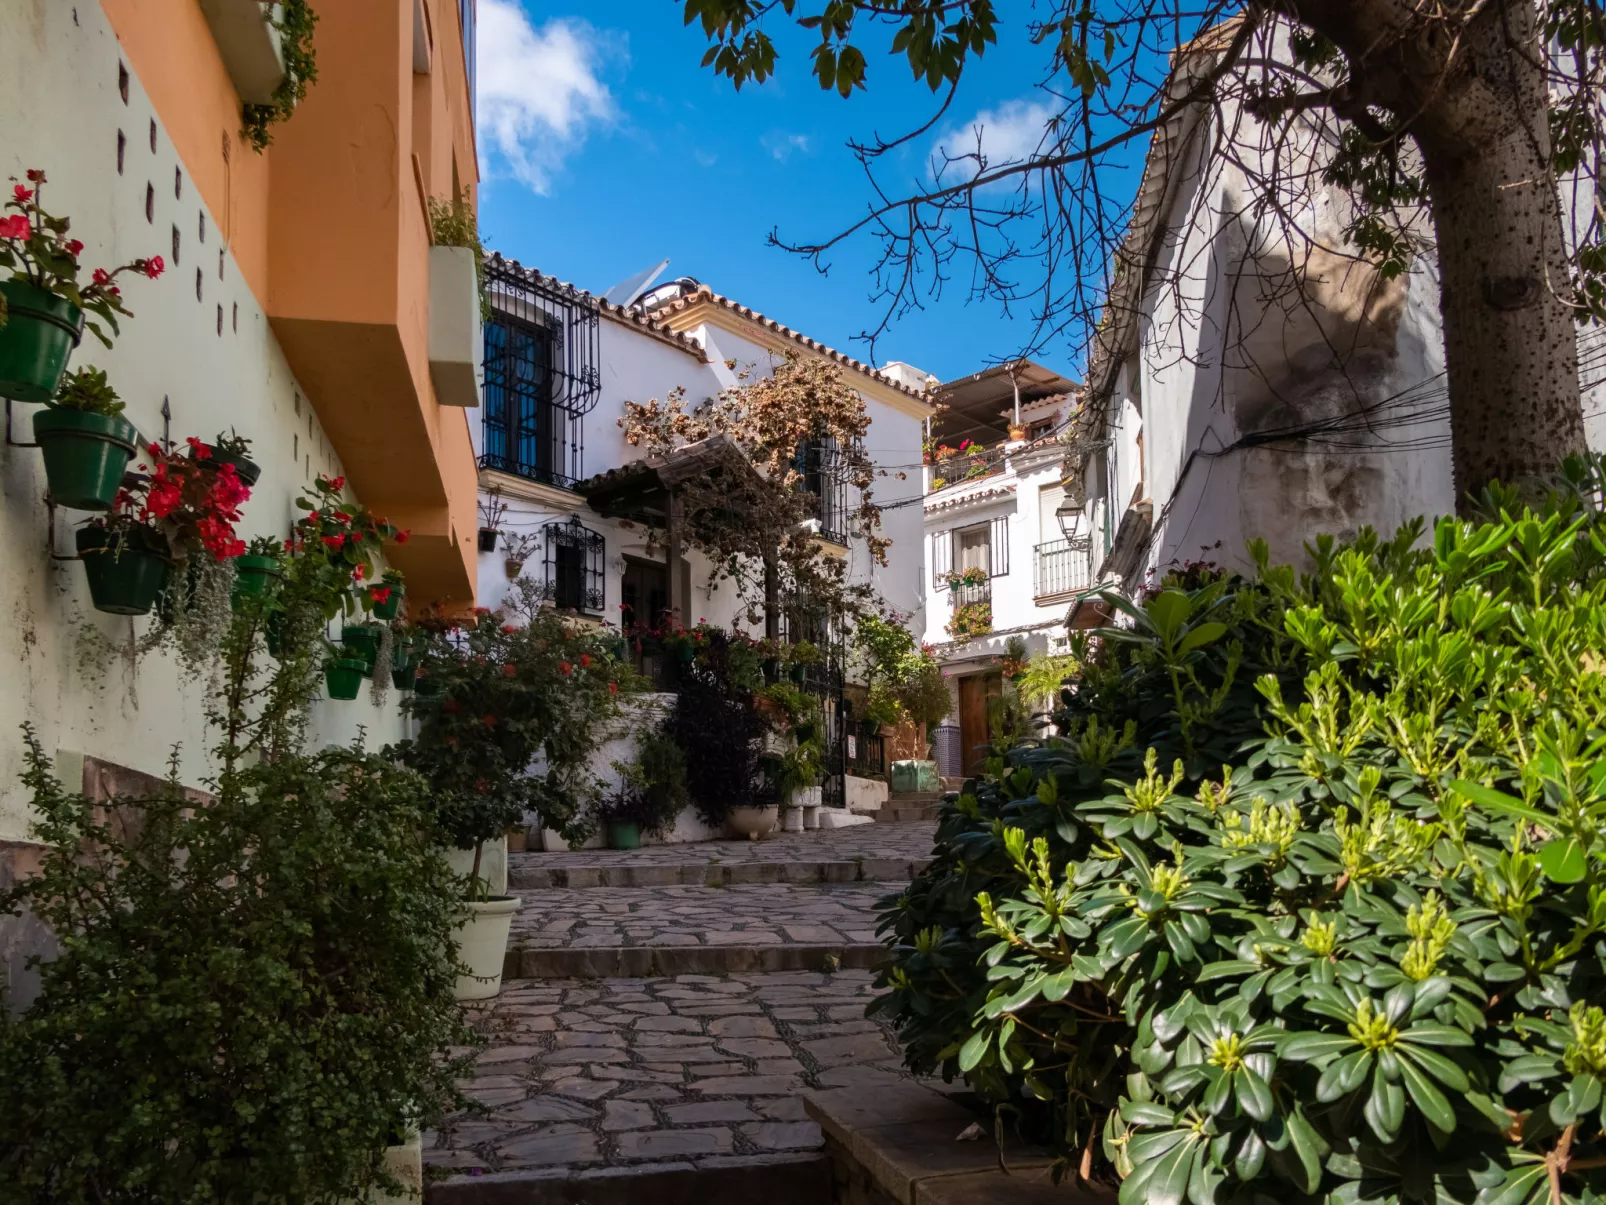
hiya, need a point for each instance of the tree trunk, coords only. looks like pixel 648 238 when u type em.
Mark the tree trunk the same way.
pixel 1510 344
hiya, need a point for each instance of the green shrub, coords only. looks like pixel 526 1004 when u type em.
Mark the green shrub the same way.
pixel 1308 901
pixel 253 998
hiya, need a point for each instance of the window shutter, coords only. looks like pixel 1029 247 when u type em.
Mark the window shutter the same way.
pixel 942 556
pixel 998 547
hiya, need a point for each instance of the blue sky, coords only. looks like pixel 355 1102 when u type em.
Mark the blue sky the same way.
pixel 606 147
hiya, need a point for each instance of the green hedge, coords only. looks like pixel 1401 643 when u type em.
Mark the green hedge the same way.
pixel 1308 901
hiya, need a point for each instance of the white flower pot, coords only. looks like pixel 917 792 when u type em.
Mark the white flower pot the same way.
pixel 750 822
pixel 493 865
pixel 792 820
pixel 811 815
pixel 482 945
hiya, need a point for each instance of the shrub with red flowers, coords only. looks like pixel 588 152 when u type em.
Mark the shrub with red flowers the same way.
pixel 522 702
pixel 37 247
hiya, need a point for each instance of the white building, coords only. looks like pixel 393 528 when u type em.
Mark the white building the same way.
pixel 560 364
pixel 992 513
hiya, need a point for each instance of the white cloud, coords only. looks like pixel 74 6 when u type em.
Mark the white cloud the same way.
pixel 783 146
pixel 539 90
pixel 1014 131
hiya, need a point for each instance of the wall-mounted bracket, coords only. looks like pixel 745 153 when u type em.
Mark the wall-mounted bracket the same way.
pixel 11 443
pixel 50 539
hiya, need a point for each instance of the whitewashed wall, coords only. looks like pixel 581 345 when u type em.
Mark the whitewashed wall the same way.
pixel 62 113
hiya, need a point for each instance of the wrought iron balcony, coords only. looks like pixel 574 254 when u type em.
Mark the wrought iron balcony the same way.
pixel 1062 568
pixel 958 596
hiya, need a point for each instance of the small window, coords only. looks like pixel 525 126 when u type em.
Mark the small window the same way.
pixel 574 556
pixel 974 548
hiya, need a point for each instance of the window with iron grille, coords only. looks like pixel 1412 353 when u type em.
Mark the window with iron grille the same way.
pixel 541 374
pixel 824 475
pixel 574 578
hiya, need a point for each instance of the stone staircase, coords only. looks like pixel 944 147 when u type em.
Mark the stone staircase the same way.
pixel 903 806
pixel 662 1014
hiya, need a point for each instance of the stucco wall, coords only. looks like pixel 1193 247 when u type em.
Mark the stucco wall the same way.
pixel 59 90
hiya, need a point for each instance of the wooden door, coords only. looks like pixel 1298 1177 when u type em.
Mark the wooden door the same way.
pixel 974 691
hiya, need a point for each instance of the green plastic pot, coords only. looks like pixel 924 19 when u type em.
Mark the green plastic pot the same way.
pixel 391 607
pixel 796 673
pixel 85 455
pixel 623 834
pixel 361 640
pixel 344 677
pixel 403 677
pixel 253 576
pixel 617 648
pixel 246 469
pixel 125 580
pixel 685 653
pixel 426 688
pixel 39 335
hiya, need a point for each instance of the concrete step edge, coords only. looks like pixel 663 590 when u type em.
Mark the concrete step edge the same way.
pixel 793 1178
pixel 718 874
pixel 642 962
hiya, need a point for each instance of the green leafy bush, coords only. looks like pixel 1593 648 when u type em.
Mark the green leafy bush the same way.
pixel 1309 900
pixel 253 997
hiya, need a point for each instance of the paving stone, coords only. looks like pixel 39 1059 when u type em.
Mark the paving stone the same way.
pixel 582 1089
pixel 854 1048
pixel 672 1144
pixel 547 1108
pixel 628 1115
pixel 572 1147
pixel 742 1027
pixel 748 1085
pixel 710 1110
pixel 756 1048
pixel 668 1024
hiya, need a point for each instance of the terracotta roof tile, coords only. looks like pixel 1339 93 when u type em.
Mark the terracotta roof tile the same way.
pixel 706 294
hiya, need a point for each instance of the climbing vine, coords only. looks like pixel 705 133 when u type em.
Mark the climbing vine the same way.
pixel 295 24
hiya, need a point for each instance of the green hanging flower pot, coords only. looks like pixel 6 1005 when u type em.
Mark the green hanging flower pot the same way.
pixel 391 607
pixel 361 640
pixel 39 335
pixel 426 688
pixel 125 576
pixel 253 576
pixel 344 677
pixel 246 469
pixel 403 677
pixel 85 454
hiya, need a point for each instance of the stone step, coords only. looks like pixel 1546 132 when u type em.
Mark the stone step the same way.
pixel 640 962
pixel 528 874
pixel 906 815
pixel 914 798
pixel 784 1179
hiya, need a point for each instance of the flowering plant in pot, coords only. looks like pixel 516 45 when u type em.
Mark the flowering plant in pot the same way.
pixel 975 575
pixel 385 596
pixel 42 303
pixel 258 568
pixel 516 713
pixel 85 441
pixel 228 449
pixel 970 619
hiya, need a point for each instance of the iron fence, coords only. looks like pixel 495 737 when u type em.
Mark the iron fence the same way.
pixel 1062 567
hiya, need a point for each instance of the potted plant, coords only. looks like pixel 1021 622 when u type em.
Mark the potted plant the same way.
pixel 126 562
pixel 85 441
pixel 343 676
pixel 517 550
pixel 229 449
pixel 361 642
pixel 385 598
pixel 258 568
pixel 963 578
pixel 45 307
pixel 1014 661
pixel 488 539
pixel 802 655
pixel 971 619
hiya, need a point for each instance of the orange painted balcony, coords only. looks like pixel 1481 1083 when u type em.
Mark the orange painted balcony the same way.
pixel 386 127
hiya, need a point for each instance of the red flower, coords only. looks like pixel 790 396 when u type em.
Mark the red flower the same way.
pixel 585 660
pixel 510 671
pixel 482 610
pixel 488 720
pixel 74 247
pixel 15 227
pixel 379 593
pixel 334 541
pixel 201 450
pixel 613 688
pixel 152 267
pixel 337 483
pixel 342 516
pixel 290 545
pixel 22 192
pixel 402 536
pixel 565 668
pixel 508 629
pixel 450 707
pixel 35 176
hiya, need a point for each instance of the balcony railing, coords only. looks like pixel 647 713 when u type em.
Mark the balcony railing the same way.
pixel 1062 567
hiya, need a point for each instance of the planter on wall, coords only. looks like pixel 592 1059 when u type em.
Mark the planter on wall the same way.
pixel 391 607
pixel 344 677
pixel 624 834
pixel 126 580
pixel 488 540
pixel 250 45
pixel 246 469
pixel 403 677
pixel 85 454
pixel 456 335
pixel 253 575
pixel 360 640
pixel 482 945
pixel 39 335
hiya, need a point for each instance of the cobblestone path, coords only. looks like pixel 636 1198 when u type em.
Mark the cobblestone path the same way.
pixel 647 1033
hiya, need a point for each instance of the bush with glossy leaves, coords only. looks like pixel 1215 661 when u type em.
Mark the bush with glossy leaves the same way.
pixel 1309 901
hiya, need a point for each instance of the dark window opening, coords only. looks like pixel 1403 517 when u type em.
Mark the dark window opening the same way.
pixel 574 575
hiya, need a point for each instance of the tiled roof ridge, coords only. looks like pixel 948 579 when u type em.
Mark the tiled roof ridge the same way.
pixel 624 315
pixel 704 292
